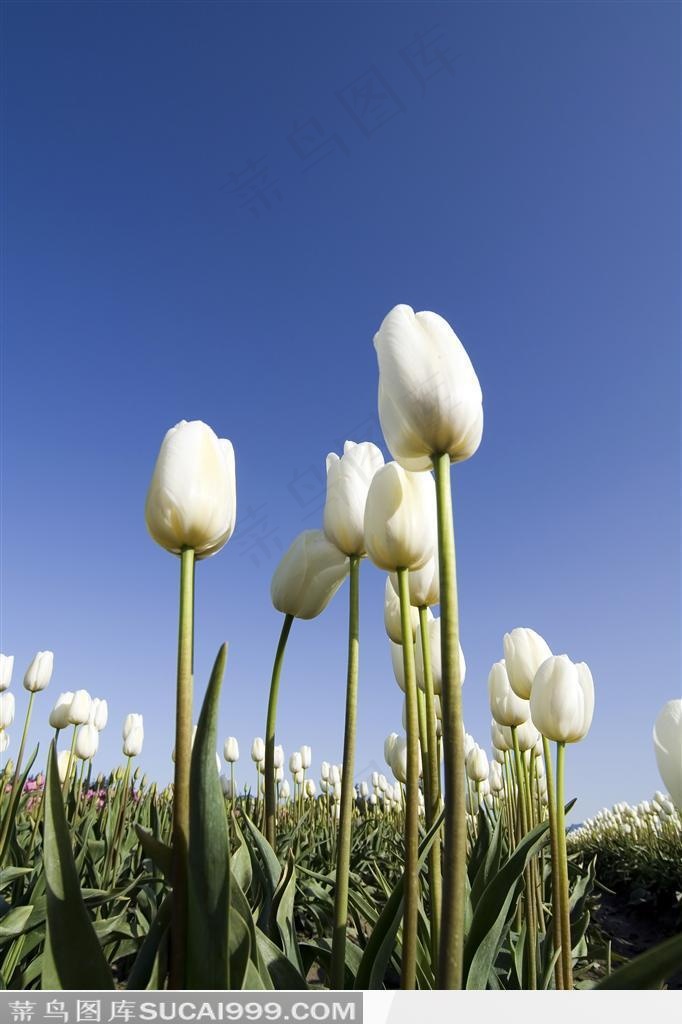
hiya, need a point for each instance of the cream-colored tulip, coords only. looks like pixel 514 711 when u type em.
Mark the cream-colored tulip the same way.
pixel 192 498
pixel 6 667
pixel 392 620
pixel 348 480
pixel 505 706
pixel 6 709
pixel 668 747
pixel 79 709
pixel 400 518
pixel 524 652
pixel 423 584
pixel 87 742
pixel 39 672
pixel 433 629
pixel 562 699
pixel 308 576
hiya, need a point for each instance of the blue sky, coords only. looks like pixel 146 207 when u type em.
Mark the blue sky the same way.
pixel 209 208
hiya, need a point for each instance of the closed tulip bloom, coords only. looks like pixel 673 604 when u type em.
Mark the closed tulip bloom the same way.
pixel 310 788
pixel 6 709
pixel 400 518
pixel 79 710
pixel 4 741
pixel 229 790
pixel 389 744
pixel 231 750
pixel 524 652
pixel 498 736
pixel 63 759
pixel 668 747
pixel 433 629
pixel 285 790
pixel 39 672
pixel 134 721
pixel 392 620
pixel 278 756
pixel 308 576
pixel 335 774
pixel 59 716
pixel 257 750
pixel 279 773
pixel 295 762
pixel 526 735
pixel 477 764
pixel 87 742
pixel 399 759
pixel 132 742
pixel 495 777
pixel 324 770
pixel 397 663
pixel 562 699
pixel 505 706
pixel 306 757
pixel 430 400
pixel 423 584
pixel 6 667
pixel 348 480
pixel 364 790
pixel 192 499
pixel 99 714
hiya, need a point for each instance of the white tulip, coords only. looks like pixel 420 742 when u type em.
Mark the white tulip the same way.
pixel 400 518
pixel 308 576
pixel 279 773
pixel 477 764
pixel 506 707
pixel 6 709
pixel 430 400
pixel 134 721
pixel 295 762
pixel 392 620
pixel 335 774
pixel 285 790
pixel 6 667
pixel 59 716
pixel 397 663
pixel 306 757
pixel 192 499
pixel 562 699
pixel 231 750
pixel 229 790
pixel 4 741
pixel 389 744
pixel 310 788
pixel 39 672
pixel 133 740
pixel 257 750
pixel 495 777
pixel 524 652
pixel 668 747
pixel 63 759
pixel 324 770
pixel 526 735
pixel 87 742
pixel 79 710
pixel 348 480
pixel 399 759
pixel 364 790
pixel 278 756
pixel 424 583
pixel 99 714
pixel 433 629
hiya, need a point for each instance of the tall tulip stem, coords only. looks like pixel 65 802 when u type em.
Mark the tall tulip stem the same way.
pixel 556 870
pixel 455 826
pixel 433 797
pixel 408 977
pixel 15 781
pixel 566 952
pixel 338 963
pixel 269 771
pixel 183 755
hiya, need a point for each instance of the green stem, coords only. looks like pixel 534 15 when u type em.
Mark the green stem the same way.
pixel 183 757
pixel 566 954
pixel 531 938
pixel 338 962
pixel 554 849
pixel 408 977
pixel 17 775
pixel 67 778
pixel 269 775
pixel 455 826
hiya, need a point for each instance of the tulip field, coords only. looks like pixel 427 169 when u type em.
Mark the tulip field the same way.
pixel 454 869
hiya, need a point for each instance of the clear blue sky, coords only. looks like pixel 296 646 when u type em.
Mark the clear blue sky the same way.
pixel 210 207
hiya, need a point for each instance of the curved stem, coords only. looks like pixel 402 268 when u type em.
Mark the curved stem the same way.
pixel 554 850
pixel 183 757
pixel 269 774
pixel 455 826
pixel 338 963
pixel 566 953
pixel 408 977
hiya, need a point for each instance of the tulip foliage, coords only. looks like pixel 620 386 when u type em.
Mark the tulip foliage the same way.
pixel 455 869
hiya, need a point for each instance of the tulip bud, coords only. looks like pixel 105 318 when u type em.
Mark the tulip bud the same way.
pixel 400 518
pixel 433 630
pixel 229 791
pixel 257 750
pixel 324 770
pixel 335 774
pixel 87 742
pixel 278 756
pixel 308 576
pixel 79 710
pixel 134 721
pixel 59 716
pixel 375 775
pixel 506 707
pixel 423 584
pixel 310 788
pixel 285 790
pixel 6 709
pixel 99 714
pixel 279 773
pixel 562 699
pixel 63 765
pixel 295 762
pixel 39 672
pixel 495 777
pixel 231 750
pixel 348 480
pixel 192 499
pixel 389 744
pixel 430 399
pixel 524 652
pixel 668 747
pixel 364 790
pixel 6 666
pixel 132 742
pixel 392 620
pixel 306 757
pixel 477 764
pixel 399 759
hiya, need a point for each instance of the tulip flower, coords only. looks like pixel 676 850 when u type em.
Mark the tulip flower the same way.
pixel 6 667
pixel 310 789
pixel 99 714
pixel 433 626
pixel 477 764
pixel 424 583
pixel 39 672
pixel 87 742
pixel 505 706
pixel 133 740
pixel 392 615
pixel 308 576
pixel 64 765
pixel 348 480
pixel 59 716
pixel 562 699
pixel 295 762
pixel 430 401
pixel 79 710
pixel 278 758
pixel 306 757
pixel 4 740
pixel 668 746
pixel 285 790
pixel 398 763
pixel 257 750
pixel 400 518
pixel 389 744
pixel 231 750
pixel 6 709
pixel 495 777
pixel 524 652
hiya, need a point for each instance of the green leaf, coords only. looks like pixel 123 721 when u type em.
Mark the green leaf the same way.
pixel 282 972
pixel 282 913
pixel 148 955
pixel 14 922
pixel 158 852
pixel 208 938
pixel 649 970
pixel 73 957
